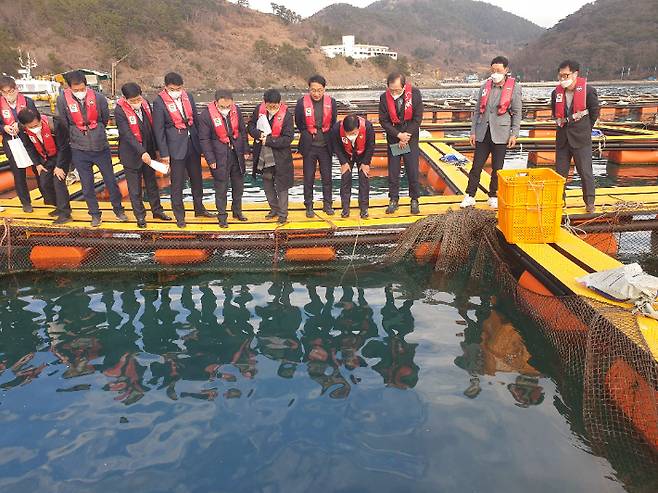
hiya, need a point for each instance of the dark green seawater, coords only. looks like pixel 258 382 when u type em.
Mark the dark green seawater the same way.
pixel 381 381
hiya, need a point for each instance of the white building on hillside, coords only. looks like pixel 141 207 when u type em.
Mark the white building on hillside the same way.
pixel 359 52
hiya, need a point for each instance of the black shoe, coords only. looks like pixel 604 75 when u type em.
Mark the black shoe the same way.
pixel 223 223
pixel 328 209
pixel 180 223
pixel 141 223
pixel 204 214
pixel 364 214
pixel 121 216
pixel 590 208
pixel 282 220
pixel 53 213
pixel 309 211
pixel 415 208
pixel 392 207
pixel 95 221
pixel 271 215
pixel 239 216
pixel 345 213
pixel 162 216
pixel 27 208
pixel 63 220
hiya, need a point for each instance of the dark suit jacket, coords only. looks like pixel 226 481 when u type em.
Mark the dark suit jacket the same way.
pixel 130 150
pixel 60 131
pixel 284 172
pixel 305 137
pixel 412 126
pixel 172 142
pixel 358 159
pixel 215 150
pixel 578 134
pixel 5 135
pixel 93 140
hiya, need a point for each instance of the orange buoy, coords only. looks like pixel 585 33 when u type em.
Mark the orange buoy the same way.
pixel 180 256
pixel 427 251
pixel 423 166
pixel 435 181
pixel 123 189
pixel 437 134
pixel 645 156
pixel 443 116
pixel 310 254
pixel 379 162
pixel 541 157
pixel 648 112
pixel 607 114
pixel 542 133
pixel 606 242
pixel 622 113
pixel 635 398
pixel 6 180
pixel 58 257
pixel 543 114
pixel 548 307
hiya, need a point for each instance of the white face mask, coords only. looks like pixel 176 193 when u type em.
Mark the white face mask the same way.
pixel 497 78
pixel 12 99
pixel 272 113
pixel 80 94
pixel 136 106
pixel 175 94
pixel 36 130
pixel 397 96
pixel 352 138
pixel 565 83
pixel 224 112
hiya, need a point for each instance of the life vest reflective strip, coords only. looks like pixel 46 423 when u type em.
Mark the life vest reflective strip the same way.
pixel 47 148
pixel 408 105
pixel 278 118
pixel 133 119
pixel 76 114
pixel 218 122
pixel 579 108
pixel 360 139
pixel 5 109
pixel 505 96
pixel 309 113
pixel 175 113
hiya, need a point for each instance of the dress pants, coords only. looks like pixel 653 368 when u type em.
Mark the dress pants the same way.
pixel 317 155
pixel 190 166
pixel 277 199
pixel 482 151
pixel 234 177
pixel 411 169
pixel 84 162
pixel 134 178
pixel 582 157
pixel 346 189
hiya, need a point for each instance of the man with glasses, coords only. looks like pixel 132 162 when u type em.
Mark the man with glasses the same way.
pixel 400 115
pixel 495 126
pixel 575 106
pixel 315 116
pixel 11 104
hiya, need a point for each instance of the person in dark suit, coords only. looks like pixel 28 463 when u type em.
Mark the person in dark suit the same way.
pixel 272 155
pixel 575 106
pixel 353 142
pixel 11 103
pixel 136 150
pixel 47 143
pixel 400 115
pixel 315 116
pixel 175 126
pixel 223 137
pixel 86 113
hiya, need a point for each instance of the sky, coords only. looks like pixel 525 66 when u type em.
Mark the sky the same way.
pixel 542 12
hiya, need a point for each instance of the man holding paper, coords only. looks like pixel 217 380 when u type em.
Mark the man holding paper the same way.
pixel 223 139
pixel 47 143
pixel 11 103
pixel 175 125
pixel 86 114
pixel 353 141
pixel 315 116
pixel 273 129
pixel 400 115
pixel 137 151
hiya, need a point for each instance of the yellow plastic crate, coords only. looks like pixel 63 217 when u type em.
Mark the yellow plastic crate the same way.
pixel 529 223
pixel 536 186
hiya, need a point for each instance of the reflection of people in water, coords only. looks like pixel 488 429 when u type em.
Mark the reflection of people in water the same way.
pixel 526 391
pixel 277 333
pixel 356 326
pixel 127 374
pixel 396 364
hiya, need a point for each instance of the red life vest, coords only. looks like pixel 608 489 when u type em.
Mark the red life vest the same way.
pixel 278 118
pixel 408 105
pixel 309 113
pixel 76 114
pixel 132 116
pixel 5 109
pixel 218 122
pixel 47 148
pixel 360 139
pixel 579 101
pixel 175 114
pixel 505 96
